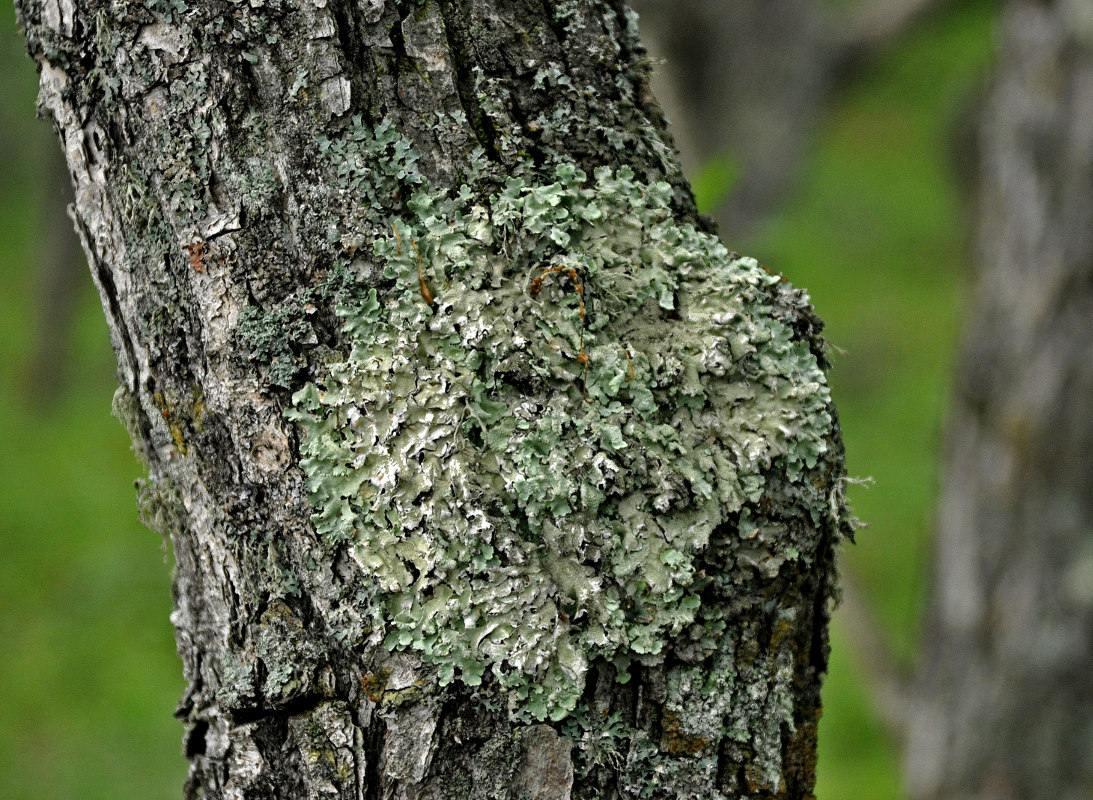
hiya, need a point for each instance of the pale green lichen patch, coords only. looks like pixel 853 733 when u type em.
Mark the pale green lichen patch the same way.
pixel 531 466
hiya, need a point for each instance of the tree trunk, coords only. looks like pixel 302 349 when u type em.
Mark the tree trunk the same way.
pixel 1004 702
pixel 488 472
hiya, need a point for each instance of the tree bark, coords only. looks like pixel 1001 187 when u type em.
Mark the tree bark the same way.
pixel 489 473
pixel 1003 706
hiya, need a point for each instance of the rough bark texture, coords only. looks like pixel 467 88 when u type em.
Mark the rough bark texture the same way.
pixel 1004 703
pixel 488 474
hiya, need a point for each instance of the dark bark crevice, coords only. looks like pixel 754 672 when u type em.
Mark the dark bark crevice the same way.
pixel 455 22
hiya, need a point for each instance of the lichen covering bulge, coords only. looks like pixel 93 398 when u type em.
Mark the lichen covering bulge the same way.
pixel 530 466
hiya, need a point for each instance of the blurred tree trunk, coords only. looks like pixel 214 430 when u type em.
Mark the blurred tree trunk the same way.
pixel 747 83
pixel 61 280
pixel 488 474
pixel 1003 706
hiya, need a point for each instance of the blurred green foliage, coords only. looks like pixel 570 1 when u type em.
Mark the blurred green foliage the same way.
pixel 879 234
pixel 88 671
pixel 714 180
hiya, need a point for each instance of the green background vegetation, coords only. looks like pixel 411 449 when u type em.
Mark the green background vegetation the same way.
pixel 877 232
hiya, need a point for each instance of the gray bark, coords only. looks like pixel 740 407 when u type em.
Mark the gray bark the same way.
pixel 488 474
pixel 1003 707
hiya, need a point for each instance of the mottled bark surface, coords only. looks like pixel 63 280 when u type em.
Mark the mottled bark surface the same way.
pixel 1004 703
pixel 487 473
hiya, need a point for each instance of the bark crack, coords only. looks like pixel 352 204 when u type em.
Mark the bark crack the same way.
pixel 295 707
pixel 558 28
pixel 454 22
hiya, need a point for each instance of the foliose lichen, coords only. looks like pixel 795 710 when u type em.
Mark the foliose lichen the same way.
pixel 554 395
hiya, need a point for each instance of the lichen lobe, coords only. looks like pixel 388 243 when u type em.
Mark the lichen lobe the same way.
pixel 530 466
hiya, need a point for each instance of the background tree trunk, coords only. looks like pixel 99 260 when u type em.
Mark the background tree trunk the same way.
pixel 1004 702
pixel 487 473
pixel 747 81
pixel 746 85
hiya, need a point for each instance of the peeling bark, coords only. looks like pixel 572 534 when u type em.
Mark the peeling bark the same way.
pixel 596 557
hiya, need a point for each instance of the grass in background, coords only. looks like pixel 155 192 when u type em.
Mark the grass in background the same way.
pixel 878 235
pixel 88 668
